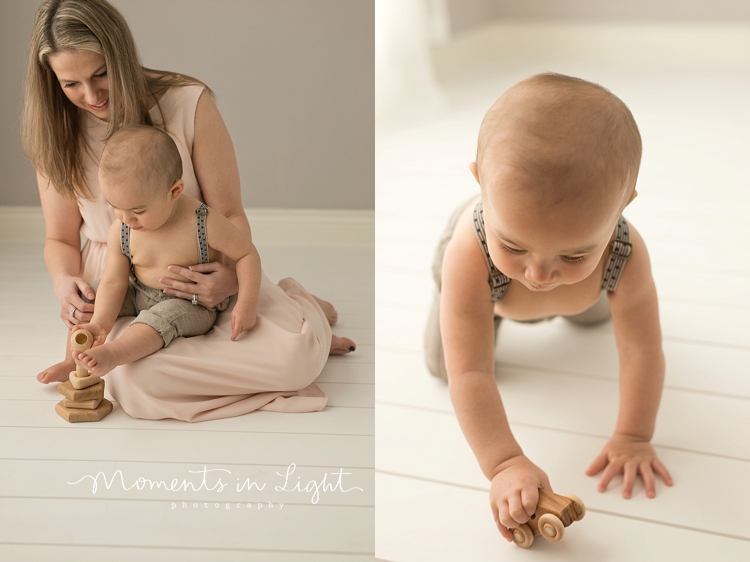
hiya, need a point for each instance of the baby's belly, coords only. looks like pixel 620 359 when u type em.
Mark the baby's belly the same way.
pixel 150 275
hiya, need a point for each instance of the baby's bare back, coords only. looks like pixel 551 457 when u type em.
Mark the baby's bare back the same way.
pixel 175 243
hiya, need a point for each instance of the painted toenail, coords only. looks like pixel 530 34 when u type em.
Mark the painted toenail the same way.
pixel 352 348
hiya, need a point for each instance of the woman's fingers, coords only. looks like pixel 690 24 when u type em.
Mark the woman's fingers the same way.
pixel 205 267
pixel 85 289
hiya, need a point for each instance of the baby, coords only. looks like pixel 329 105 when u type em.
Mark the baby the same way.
pixel 139 174
pixel 557 162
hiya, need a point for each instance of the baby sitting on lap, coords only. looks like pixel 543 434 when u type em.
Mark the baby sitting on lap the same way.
pixel 158 226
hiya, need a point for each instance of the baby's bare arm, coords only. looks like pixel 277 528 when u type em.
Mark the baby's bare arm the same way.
pixel 466 323
pixel 114 283
pixel 635 316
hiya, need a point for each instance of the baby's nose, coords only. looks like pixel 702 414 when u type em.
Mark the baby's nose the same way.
pixel 539 274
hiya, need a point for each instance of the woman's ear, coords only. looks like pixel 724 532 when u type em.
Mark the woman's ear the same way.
pixel 474 169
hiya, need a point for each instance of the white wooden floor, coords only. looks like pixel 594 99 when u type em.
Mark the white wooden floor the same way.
pixel 42 517
pixel 688 89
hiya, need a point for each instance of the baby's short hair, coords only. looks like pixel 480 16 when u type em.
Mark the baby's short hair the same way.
pixel 563 110
pixel 146 152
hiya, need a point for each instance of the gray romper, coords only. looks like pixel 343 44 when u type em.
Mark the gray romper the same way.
pixel 620 251
pixel 169 315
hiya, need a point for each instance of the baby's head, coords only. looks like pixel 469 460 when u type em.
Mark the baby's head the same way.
pixel 557 161
pixel 140 173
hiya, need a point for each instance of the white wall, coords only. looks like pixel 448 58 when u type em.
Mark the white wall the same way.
pixel 468 13
pixel 294 81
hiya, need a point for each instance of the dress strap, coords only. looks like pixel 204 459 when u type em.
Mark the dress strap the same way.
pixel 619 253
pixel 125 240
pixel 201 213
pixel 498 281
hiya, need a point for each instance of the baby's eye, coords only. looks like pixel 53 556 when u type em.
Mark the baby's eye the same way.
pixel 138 212
pixel 514 251
pixel 572 259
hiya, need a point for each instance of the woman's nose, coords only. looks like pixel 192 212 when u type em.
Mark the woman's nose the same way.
pixel 90 94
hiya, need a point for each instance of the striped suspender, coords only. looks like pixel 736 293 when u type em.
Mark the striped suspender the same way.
pixel 125 239
pixel 620 252
pixel 201 213
pixel 498 281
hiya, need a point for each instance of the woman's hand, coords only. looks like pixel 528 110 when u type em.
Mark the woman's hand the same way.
pixel 212 282
pixel 68 291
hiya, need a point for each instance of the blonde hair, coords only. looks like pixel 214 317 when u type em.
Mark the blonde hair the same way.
pixel 146 153
pixel 51 128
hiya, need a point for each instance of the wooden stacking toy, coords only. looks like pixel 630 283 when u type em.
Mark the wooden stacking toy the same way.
pixel 84 392
pixel 553 513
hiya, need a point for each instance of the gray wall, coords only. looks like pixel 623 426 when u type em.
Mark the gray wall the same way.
pixel 294 81
pixel 468 13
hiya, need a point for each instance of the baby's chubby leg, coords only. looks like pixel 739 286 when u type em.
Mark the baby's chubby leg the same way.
pixel 138 341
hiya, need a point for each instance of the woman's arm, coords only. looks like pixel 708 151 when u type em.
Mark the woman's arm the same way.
pixel 215 164
pixel 62 253
pixel 216 170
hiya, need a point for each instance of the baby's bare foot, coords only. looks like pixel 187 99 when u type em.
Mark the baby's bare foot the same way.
pixel 329 311
pixel 341 346
pixel 58 372
pixel 98 360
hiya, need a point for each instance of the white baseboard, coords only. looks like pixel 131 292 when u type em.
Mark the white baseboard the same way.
pixel 284 227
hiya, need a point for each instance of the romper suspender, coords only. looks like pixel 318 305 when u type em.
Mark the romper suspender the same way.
pixel 200 212
pixel 498 281
pixel 620 252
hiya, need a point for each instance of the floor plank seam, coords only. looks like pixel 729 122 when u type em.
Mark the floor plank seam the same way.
pixel 588 509
pixel 203 431
pixel 146 461
pixel 207 548
pixel 194 500
pixel 566 431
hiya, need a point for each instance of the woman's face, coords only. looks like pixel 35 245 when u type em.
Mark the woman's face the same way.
pixel 83 79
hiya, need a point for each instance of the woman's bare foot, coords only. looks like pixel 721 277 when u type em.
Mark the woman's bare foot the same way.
pixel 99 359
pixel 341 346
pixel 58 372
pixel 329 311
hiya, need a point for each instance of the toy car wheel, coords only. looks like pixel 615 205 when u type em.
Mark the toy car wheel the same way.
pixel 523 536
pixel 551 527
pixel 580 508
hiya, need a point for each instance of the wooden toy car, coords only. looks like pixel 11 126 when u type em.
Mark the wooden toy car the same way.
pixel 553 513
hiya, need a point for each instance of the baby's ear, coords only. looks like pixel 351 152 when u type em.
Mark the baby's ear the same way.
pixel 176 190
pixel 474 169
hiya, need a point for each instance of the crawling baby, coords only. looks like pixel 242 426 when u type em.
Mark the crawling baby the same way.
pixel 557 162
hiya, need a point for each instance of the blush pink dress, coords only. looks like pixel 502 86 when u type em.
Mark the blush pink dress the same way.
pixel 272 367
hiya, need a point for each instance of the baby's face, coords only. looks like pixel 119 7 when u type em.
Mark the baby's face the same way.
pixel 541 243
pixel 141 209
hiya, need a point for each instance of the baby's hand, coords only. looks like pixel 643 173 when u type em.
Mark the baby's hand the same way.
pixel 99 333
pixel 243 319
pixel 514 493
pixel 629 455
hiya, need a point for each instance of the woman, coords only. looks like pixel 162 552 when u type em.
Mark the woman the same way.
pixel 84 80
